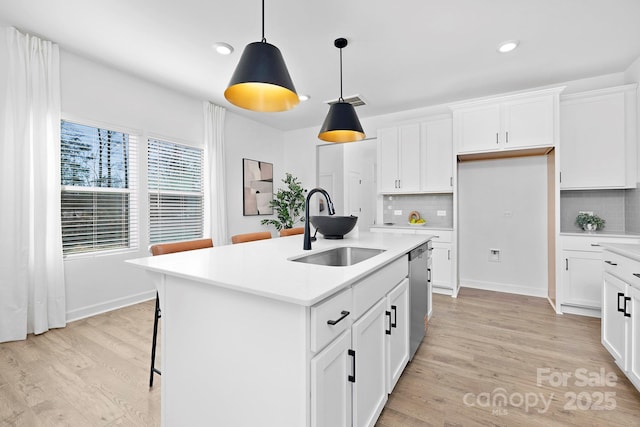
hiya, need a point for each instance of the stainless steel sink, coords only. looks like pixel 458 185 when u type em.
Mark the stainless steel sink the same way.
pixel 340 257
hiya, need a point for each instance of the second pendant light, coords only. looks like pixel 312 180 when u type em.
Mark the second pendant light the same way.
pixel 342 123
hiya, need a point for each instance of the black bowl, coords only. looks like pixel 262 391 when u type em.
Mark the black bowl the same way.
pixel 333 227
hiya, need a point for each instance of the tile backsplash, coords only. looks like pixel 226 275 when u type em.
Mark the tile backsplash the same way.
pixel 427 205
pixel 619 208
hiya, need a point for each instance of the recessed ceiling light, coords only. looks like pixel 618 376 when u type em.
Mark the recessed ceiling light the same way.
pixel 304 97
pixel 508 46
pixel 223 48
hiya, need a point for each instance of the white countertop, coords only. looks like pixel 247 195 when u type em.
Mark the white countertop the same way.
pixel 264 267
pixel 625 249
pixel 599 234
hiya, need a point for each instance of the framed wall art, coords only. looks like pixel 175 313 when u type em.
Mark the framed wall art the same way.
pixel 257 188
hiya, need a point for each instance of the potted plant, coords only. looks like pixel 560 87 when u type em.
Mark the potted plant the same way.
pixel 589 222
pixel 288 204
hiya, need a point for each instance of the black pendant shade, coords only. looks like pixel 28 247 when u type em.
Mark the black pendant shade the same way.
pixel 342 123
pixel 261 81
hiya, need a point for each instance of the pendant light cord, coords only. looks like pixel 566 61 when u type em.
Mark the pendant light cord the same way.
pixel 341 99
pixel 264 40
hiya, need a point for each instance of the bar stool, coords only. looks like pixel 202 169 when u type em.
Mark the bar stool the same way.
pixel 249 237
pixel 162 249
pixel 291 231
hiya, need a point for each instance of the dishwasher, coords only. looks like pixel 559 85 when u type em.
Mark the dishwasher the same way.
pixel 420 293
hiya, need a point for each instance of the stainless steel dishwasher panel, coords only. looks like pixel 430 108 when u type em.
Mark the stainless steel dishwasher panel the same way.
pixel 419 294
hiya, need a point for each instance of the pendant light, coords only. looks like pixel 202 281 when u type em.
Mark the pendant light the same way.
pixel 341 123
pixel 261 81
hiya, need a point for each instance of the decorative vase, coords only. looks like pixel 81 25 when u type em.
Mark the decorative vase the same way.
pixel 590 228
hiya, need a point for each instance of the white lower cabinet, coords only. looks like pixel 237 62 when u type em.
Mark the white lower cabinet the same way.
pixel 614 325
pixel 369 387
pixel 330 387
pixel 621 313
pixel 352 376
pixel 580 262
pixel 397 333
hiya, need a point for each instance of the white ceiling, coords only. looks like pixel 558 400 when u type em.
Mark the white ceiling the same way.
pixel 402 54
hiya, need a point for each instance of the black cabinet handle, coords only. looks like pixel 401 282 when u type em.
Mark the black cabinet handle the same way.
pixel 595 244
pixel 394 324
pixel 388 331
pixel 352 353
pixel 333 322
pixel 625 307
pixel 637 275
pixel 507 138
pixel 611 263
pixel 620 309
pixel 428 275
pixel 566 264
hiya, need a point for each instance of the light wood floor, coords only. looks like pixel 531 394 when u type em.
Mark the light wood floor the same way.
pixel 94 372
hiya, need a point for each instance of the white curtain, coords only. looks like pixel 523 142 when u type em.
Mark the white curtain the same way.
pixel 32 293
pixel 215 170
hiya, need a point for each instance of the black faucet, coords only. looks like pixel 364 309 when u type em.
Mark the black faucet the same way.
pixel 307 232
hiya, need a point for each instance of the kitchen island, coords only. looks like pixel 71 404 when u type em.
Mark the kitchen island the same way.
pixel 251 337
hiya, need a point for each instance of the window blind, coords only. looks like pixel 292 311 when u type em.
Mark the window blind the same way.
pixel 176 206
pixel 98 198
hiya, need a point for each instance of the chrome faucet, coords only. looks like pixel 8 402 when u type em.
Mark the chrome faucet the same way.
pixel 307 232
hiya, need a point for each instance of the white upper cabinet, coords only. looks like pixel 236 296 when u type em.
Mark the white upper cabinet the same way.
pixel 598 139
pixel 436 153
pixel 510 122
pixel 399 159
pixel 416 157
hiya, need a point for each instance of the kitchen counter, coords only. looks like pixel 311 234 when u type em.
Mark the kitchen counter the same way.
pixel 599 234
pixel 246 332
pixel 265 268
pixel 629 250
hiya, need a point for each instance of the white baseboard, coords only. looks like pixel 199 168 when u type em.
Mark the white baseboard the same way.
pixel 442 291
pixel 582 311
pixel 92 310
pixel 504 287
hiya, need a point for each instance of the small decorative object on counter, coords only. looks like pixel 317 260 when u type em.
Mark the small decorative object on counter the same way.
pixel 589 222
pixel 414 218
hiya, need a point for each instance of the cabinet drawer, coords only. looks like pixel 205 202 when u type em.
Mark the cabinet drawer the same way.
pixel 370 289
pixel 444 236
pixel 591 243
pixel 622 267
pixel 332 310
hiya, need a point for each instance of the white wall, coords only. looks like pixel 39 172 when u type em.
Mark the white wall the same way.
pixel 252 140
pixel 632 75
pixel 502 205
pixel 92 92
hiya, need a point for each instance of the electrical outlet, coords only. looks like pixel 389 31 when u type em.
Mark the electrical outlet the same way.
pixel 397 212
pixel 586 212
pixel 441 213
pixel 494 255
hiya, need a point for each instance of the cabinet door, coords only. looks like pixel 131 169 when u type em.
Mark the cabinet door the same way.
pixel 592 132
pixel 409 166
pixel 397 333
pixel 388 159
pixel 633 308
pixel 369 388
pixel 613 321
pixel 477 129
pixel 582 278
pixel 528 122
pixel 437 156
pixel 441 266
pixel 330 386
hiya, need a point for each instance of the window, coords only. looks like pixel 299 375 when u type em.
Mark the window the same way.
pixel 98 182
pixel 175 192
